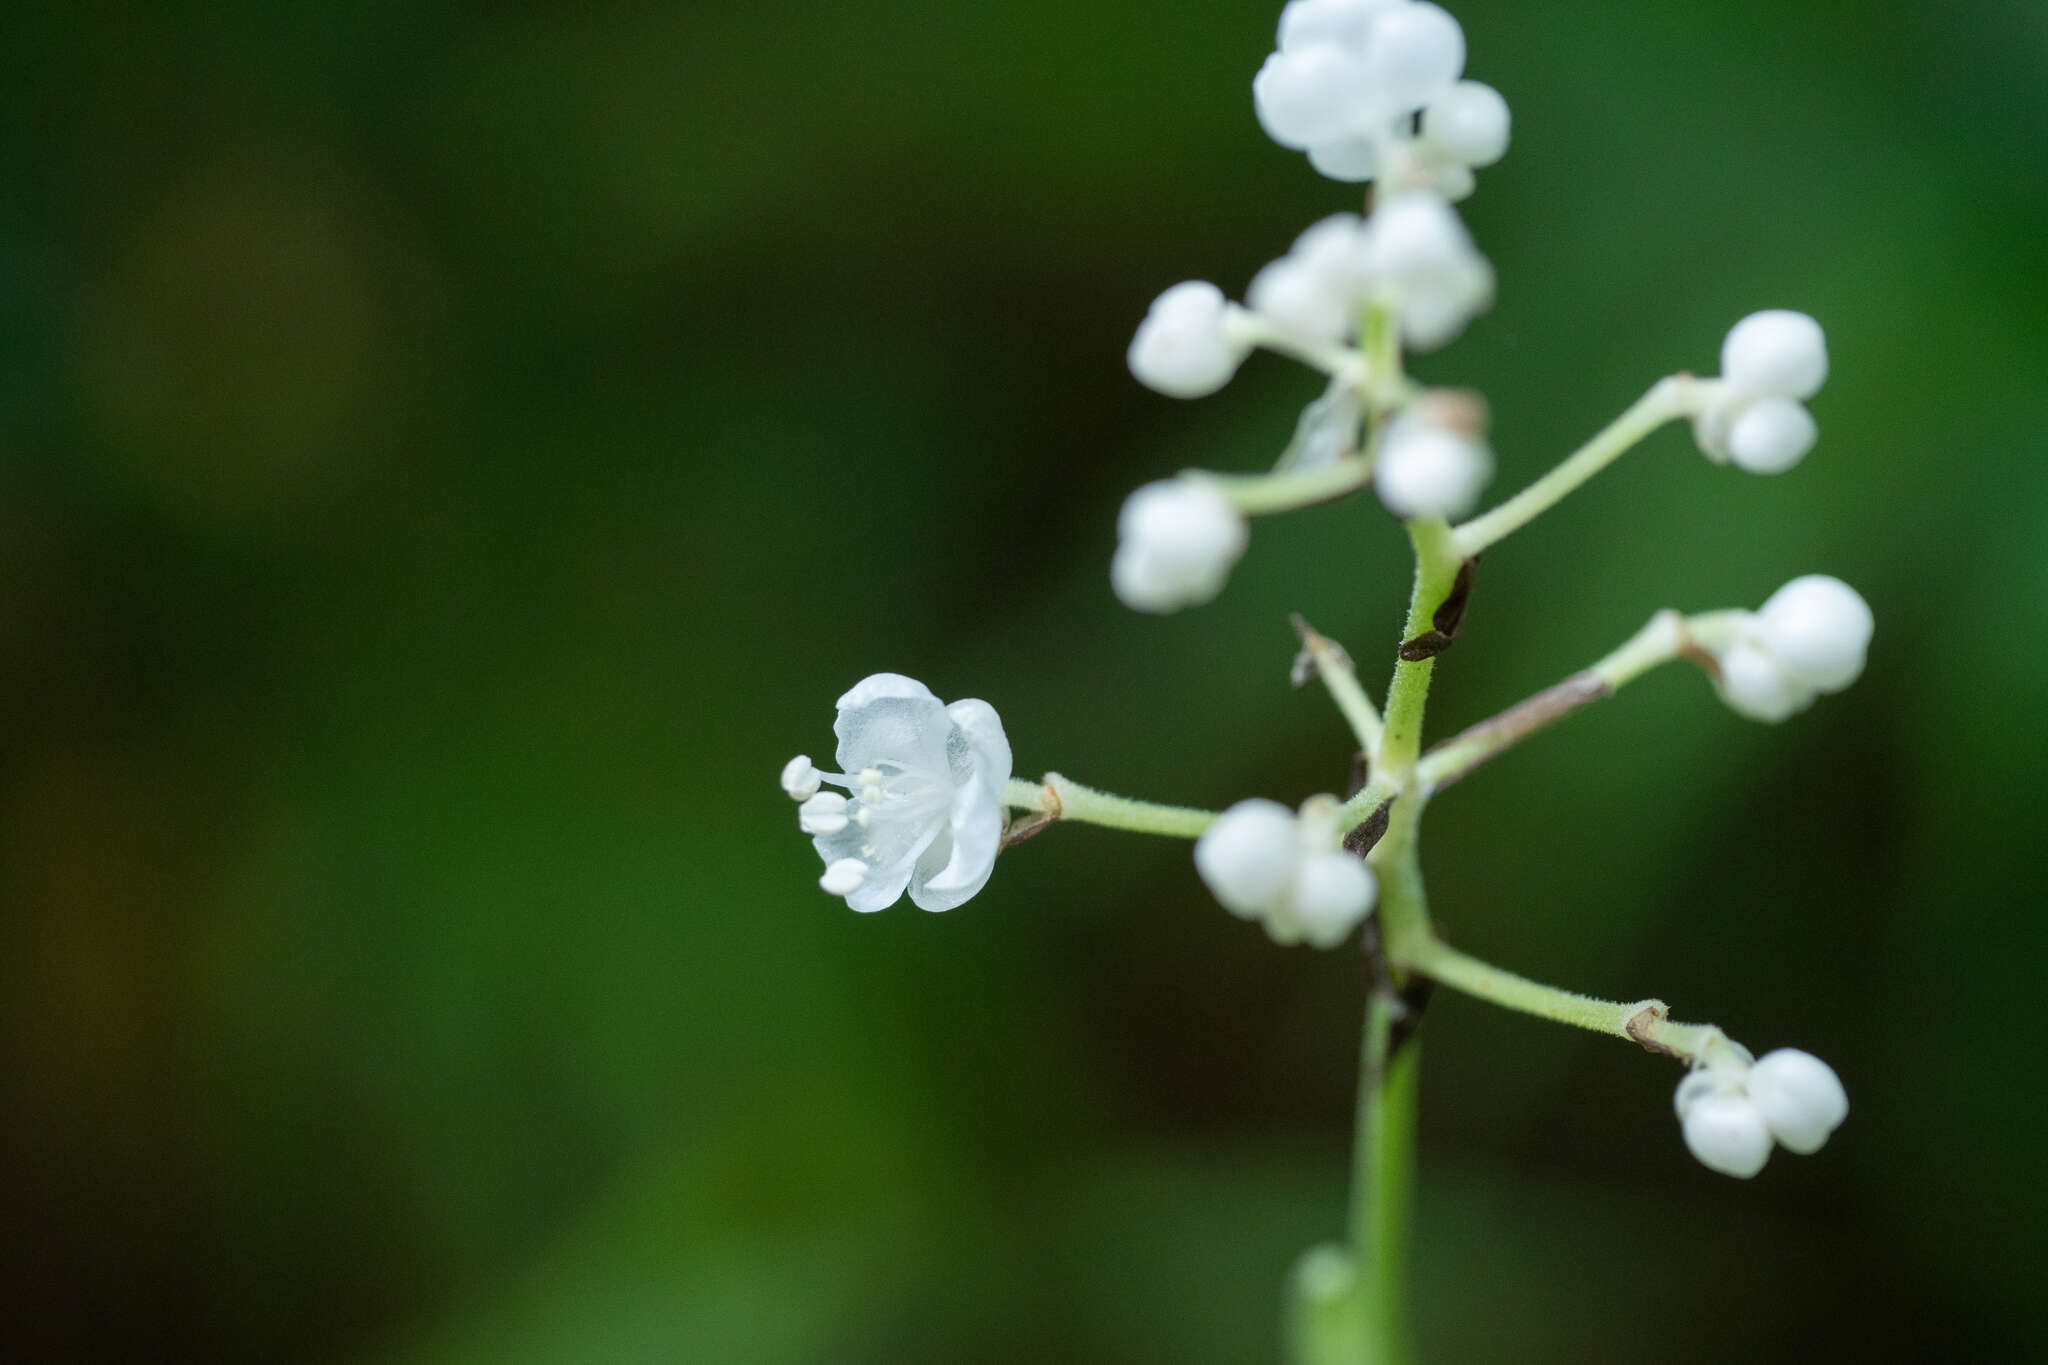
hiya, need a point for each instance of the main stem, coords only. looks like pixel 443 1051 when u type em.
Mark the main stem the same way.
pixel 1383 1182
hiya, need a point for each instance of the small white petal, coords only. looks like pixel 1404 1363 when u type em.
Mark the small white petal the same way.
pixel 1817 631
pixel 1754 686
pixel 844 877
pixel 824 813
pixel 1246 857
pixel 1414 53
pixel 1184 348
pixel 1726 1131
pixel 1800 1098
pixel 799 778
pixel 1771 435
pixel 1316 288
pixel 1470 122
pixel 1776 352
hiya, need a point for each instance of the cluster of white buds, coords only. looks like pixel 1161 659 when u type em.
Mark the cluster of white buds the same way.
pixel 1432 460
pixel 923 786
pixel 1810 637
pixel 1176 542
pixel 1370 89
pixel 1413 255
pixel 1287 870
pixel 1733 1110
pixel 1771 363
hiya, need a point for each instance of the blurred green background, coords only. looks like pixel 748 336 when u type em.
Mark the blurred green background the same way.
pixel 452 454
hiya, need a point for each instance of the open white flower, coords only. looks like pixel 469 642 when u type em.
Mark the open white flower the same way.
pixel 923 809
pixel 1288 871
pixel 1809 637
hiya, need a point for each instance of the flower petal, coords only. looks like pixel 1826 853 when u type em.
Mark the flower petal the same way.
pixel 888 718
pixel 985 745
pixel 952 870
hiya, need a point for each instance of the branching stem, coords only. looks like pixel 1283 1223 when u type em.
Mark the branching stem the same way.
pixel 1059 798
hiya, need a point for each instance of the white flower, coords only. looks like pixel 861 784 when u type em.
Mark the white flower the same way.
pixel 1425 468
pixel 924 805
pixel 1289 871
pixel 1732 1110
pixel 1771 362
pixel 1176 542
pixel 1810 637
pixel 1187 347
pixel 1348 79
pixel 1422 261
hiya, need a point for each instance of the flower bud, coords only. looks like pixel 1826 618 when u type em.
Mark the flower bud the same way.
pixel 1184 347
pixel 1817 630
pixel 1428 470
pixel 1799 1096
pixel 1176 542
pixel 1469 122
pixel 1771 435
pixel 1776 352
pixel 1727 1132
pixel 1247 856
pixel 1754 686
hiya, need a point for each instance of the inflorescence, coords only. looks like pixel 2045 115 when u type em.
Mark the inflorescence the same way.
pixel 1372 91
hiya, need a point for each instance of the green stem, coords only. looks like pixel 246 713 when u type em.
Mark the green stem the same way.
pixel 1663 639
pixel 1667 399
pixel 1383 1182
pixel 1436 568
pixel 1262 494
pixel 1333 665
pixel 1646 1022
pixel 1063 799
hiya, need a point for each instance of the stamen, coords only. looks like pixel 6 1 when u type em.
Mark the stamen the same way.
pixel 824 813
pixel 800 779
pixel 844 876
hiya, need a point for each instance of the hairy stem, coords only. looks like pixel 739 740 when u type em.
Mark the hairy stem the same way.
pixel 1383 1181
pixel 1646 1022
pixel 1669 398
pixel 1665 638
pixel 1058 798
pixel 1333 665
pixel 1436 569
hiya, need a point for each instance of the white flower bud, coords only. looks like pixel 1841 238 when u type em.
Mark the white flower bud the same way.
pixel 1469 122
pixel 799 778
pixel 1315 289
pixel 1247 856
pixel 1816 630
pixel 1799 1097
pixel 1310 94
pixel 1770 435
pixel 824 813
pixel 1776 352
pixel 1419 254
pixel 1330 894
pixel 1426 470
pixel 1726 1131
pixel 1176 542
pixel 1353 160
pixel 1753 685
pixel 1304 23
pixel 1184 347
pixel 1413 53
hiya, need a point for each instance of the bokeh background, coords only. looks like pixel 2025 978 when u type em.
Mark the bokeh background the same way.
pixel 452 454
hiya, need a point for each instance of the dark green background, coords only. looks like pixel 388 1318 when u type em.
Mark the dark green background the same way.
pixel 452 454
